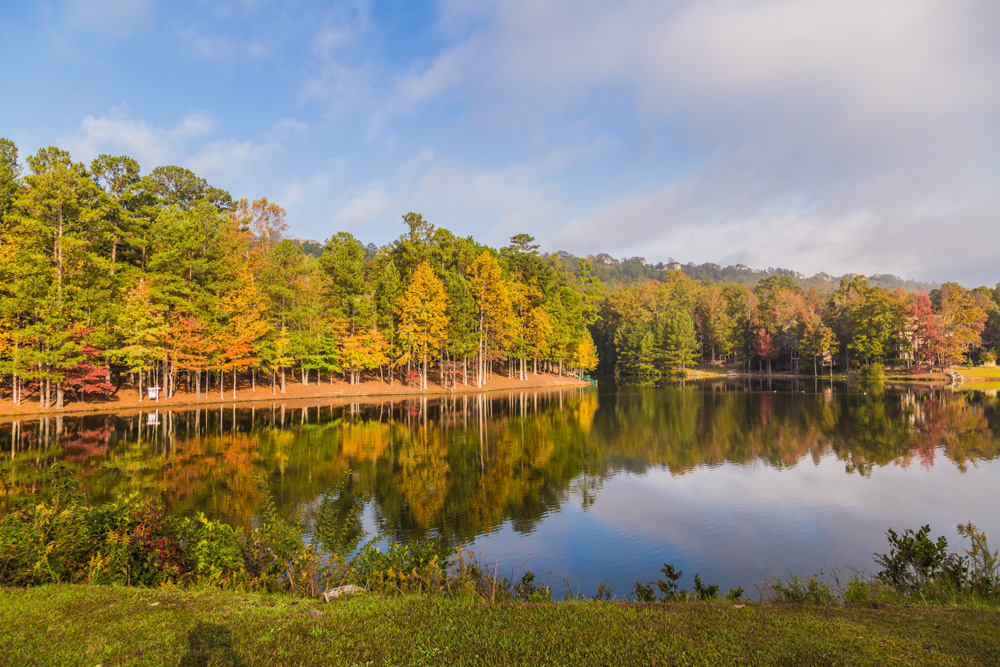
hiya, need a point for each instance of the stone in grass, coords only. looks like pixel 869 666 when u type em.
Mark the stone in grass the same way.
pixel 341 592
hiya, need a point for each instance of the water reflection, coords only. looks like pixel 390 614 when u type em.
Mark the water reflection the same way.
pixel 516 471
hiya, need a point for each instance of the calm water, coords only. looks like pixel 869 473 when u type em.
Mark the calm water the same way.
pixel 736 480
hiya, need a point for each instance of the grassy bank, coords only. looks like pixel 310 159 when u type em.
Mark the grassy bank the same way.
pixel 90 625
pixel 978 373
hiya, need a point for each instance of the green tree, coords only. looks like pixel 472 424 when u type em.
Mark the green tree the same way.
pixel 55 267
pixel 680 343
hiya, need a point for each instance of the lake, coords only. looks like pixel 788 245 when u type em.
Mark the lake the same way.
pixel 737 480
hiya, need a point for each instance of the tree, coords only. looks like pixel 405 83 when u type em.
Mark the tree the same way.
pixel 127 210
pixel 363 350
pixel 817 340
pixel 243 341
pixel 142 331
pixel 680 345
pixel 343 264
pixel 878 322
pixel 539 330
pixel 263 220
pixel 10 172
pixel 177 186
pixel 714 322
pixel 414 247
pixel 584 355
pixel 494 313
pixel 194 346
pixel 423 318
pixel 56 264
pixel 925 336
pixel 962 315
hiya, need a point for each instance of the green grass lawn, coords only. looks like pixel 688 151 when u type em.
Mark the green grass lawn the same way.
pixel 90 625
pixel 978 372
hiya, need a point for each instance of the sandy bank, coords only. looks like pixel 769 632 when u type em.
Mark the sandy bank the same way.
pixel 128 397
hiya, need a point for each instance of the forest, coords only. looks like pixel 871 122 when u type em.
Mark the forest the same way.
pixel 647 328
pixel 112 278
pixel 108 277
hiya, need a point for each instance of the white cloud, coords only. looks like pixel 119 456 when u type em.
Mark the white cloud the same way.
pixel 819 133
pixel 367 208
pixel 190 143
pixel 340 78
pixel 119 133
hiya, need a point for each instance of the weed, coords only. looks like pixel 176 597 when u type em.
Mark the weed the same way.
pixel 810 591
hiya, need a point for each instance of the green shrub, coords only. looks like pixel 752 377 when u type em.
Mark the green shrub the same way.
pixel 409 568
pixel 801 591
pixel 915 563
pixel 672 592
pixel 983 568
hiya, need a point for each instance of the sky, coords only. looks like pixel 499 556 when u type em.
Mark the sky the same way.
pixel 815 135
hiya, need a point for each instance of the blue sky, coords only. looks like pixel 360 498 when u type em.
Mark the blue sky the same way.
pixel 816 135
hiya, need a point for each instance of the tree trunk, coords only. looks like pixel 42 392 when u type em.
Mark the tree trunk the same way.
pixel 282 380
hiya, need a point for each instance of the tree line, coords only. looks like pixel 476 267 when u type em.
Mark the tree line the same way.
pixel 648 329
pixel 166 281
pixel 106 273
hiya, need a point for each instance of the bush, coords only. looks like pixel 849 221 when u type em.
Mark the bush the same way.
pixel 915 563
pixel 808 591
pixel 674 593
pixel 132 542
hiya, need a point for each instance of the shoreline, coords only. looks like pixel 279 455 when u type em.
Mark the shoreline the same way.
pixel 370 391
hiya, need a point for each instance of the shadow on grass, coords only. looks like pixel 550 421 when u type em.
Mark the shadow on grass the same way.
pixel 210 643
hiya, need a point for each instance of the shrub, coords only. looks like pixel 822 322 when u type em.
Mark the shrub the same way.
pixel 808 591
pixel 915 563
pixel 983 568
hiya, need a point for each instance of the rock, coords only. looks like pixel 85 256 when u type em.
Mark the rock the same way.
pixel 315 613
pixel 341 592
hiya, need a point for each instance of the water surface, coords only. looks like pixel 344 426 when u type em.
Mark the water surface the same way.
pixel 737 480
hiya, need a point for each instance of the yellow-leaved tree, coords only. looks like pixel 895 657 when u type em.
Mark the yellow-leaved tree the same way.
pixel 423 317
pixel 496 319
pixel 363 351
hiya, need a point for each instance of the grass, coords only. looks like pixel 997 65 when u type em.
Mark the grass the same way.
pixel 90 625
pixel 978 372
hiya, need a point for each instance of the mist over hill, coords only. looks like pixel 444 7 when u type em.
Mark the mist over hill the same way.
pixel 624 271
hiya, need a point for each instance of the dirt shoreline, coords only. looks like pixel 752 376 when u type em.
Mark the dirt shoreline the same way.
pixel 370 391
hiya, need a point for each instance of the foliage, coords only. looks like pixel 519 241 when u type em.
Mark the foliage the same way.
pixel 800 591
pixel 916 563
pixel 672 592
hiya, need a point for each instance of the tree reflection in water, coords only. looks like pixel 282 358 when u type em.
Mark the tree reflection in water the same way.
pixel 458 467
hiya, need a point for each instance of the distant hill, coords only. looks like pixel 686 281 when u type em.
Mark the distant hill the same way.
pixel 309 247
pixel 626 271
